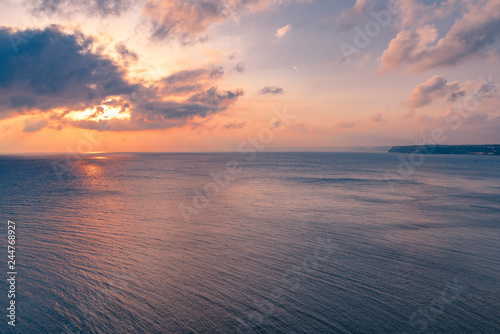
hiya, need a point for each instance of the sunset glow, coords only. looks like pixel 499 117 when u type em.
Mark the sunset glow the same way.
pixel 176 72
pixel 102 112
pixel 250 166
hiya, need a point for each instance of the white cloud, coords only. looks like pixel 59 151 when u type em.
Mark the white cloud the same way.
pixel 281 32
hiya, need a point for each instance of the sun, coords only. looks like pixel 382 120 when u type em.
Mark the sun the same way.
pixel 109 109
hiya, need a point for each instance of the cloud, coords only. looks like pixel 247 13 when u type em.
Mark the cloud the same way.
pixel 69 7
pixel 185 20
pixel 34 125
pixel 461 94
pixel 125 54
pixel 271 90
pixel 234 125
pixel 435 87
pixel 454 96
pixel 474 31
pixel 189 81
pixel 53 69
pixel 345 125
pixel 155 112
pixel 414 13
pixel 407 46
pixel 346 18
pixel 189 76
pixel 240 67
pixel 213 97
pixel 190 20
pixel 281 32
pixel 200 104
pixel 58 74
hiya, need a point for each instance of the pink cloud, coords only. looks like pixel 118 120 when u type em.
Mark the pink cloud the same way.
pixel 435 87
pixel 190 20
pixel 470 34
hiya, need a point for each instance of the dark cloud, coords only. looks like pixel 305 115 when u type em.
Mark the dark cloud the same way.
pixel 217 72
pixel 182 89
pixel 190 81
pixel 45 70
pixel 67 7
pixel 234 125
pixel 53 69
pixel 214 97
pixel 345 125
pixel 240 67
pixel 189 76
pixel 454 96
pixel 200 104
pixel 161 110
pixel 125 54
pixel 271 90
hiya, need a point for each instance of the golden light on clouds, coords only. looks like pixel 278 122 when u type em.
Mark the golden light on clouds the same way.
pixel 172 75
pixel 102 112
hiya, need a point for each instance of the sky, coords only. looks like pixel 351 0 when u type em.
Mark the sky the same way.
pixel 226 75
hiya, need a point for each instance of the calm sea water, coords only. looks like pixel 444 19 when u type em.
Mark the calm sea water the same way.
pixel 285 243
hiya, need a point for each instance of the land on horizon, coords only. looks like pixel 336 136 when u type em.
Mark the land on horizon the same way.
pixel 448 149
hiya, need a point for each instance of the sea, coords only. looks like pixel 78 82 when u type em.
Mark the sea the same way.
pixel 263 243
